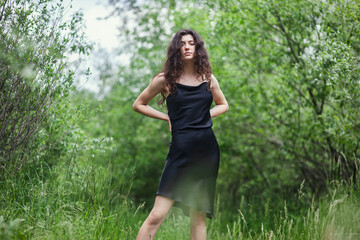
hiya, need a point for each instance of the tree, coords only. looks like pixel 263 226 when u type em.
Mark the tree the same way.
pixel 289 72
pixel 34 44
pixel 296 108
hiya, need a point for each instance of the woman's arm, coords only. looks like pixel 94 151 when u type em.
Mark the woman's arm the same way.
pixel 219 99
pixel 141 103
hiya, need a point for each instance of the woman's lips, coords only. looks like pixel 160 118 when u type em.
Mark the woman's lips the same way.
pixel 188 53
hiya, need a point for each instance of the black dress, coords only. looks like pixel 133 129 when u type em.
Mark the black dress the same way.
pixel 192 163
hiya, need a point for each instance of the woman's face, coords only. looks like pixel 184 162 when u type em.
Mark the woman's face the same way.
pixel 187 47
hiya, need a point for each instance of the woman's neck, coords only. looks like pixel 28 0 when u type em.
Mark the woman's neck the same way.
pixel 189 68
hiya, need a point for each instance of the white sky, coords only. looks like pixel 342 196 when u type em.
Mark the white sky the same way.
pixel 104 35
pixel 103 32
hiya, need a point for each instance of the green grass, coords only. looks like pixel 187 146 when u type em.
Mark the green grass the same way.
pixel 80 200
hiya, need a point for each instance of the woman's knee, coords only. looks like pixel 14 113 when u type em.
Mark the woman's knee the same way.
pixel 160 210
pixel 156 217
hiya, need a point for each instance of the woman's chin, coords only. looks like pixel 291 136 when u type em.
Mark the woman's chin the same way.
pixel 188 59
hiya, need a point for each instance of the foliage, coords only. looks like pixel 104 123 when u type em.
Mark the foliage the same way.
pixel 62 206
pixel 77 198
pixel 293 87
pixel 88 165
pixel 291 81
pixel 35 80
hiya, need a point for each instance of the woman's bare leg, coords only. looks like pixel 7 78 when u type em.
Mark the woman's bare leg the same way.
pixel 157 215
pixel 198 225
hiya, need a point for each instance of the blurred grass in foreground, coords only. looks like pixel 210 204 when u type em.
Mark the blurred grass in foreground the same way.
pixel 80 200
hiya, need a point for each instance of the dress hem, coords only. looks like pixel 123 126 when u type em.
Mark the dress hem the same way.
pixel 184 207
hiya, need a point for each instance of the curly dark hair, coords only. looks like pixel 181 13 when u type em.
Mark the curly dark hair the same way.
pixel 174 64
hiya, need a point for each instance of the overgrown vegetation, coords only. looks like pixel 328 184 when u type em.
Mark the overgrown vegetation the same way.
pixel 78 166
pixel 35 82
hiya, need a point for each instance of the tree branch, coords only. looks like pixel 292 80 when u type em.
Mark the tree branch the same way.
pixel 288 38
pixel 2 11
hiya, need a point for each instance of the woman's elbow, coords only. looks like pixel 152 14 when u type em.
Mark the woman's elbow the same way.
pixel 135 107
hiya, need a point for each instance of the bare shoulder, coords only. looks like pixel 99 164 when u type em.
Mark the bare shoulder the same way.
pixel 157 84
pixel 213 78
pixel 158 80
pixel 214 82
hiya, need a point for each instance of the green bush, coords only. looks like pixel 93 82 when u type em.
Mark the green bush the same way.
pixel 35 79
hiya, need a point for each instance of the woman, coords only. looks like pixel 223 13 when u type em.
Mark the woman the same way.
pixel 188 180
